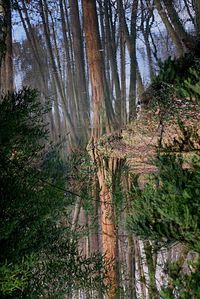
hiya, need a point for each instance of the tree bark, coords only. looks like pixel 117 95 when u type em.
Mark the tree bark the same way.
pixel 131 45
pixel 153 291
pixel 6 63
pixel 112 58
pixel 197 17
pixel 103 119
pixel 106 169
pixel 169 27
pixel 58 82
pixel 185 37
pixel 79 61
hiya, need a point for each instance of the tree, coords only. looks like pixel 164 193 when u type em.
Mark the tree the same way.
pixel 6 64
pixel 103 120
pixel 38 255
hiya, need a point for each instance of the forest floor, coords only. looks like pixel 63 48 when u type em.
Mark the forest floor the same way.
pixel 139 141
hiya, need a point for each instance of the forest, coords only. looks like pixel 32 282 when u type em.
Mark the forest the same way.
pixel 100 149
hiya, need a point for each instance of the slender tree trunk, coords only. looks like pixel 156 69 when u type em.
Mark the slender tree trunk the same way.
pixel 169 27
pixel 132 90
pixel 140 85
pixel 131 267
pixel 186 38
pixel 123 75
pixel 131 44
pixel 197 17
pixel 153 292
pixel 131 253
pixel 6 63
pixel 79 60
pixel 146 23
pixel 113 59
pixel 105 169
pixel 58 82
pixel 141 273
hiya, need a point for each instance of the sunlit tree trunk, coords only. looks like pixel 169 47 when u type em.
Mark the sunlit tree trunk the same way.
pixel 106 168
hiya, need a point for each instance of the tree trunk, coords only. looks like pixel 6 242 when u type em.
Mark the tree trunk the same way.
pixel 6 59
pixel 146 23
pixel 142 278
pixel 58 82
pixel 106 169
pixel 185 38
pixel 103 114
pixel 169 27
pixel 131 252
pixel 123 76
pixel 197 17
pixel 133 67
pixel 153 292
pixel 131 44
pixel 79 61
pixel 111 45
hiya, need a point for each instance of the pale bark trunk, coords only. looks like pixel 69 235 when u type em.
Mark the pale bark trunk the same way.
pixel 141 273
pixel 153 292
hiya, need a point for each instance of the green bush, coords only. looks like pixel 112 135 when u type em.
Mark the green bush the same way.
pixel 168 209
pixel 38 255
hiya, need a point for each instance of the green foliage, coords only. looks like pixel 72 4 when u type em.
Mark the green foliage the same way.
pixel 180 284
pixel 15 277
pixel 38 254
pixel 174 71
pixel 168 211
pixel 176 78
pixel 191 86
pixel 168 208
